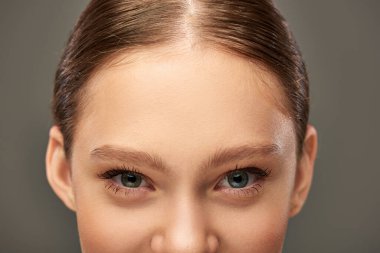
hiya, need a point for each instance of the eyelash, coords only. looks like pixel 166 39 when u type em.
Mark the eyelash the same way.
pixel 111 185
pixel 261 175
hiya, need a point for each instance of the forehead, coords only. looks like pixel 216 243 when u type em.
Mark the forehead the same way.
pixel 183 61
pixel 187 98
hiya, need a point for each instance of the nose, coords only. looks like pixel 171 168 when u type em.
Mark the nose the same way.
pixel 185 230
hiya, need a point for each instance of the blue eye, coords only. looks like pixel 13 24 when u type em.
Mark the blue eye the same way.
pixel 238 179
pixel 243 178
pixel 131 179
pixel 125 177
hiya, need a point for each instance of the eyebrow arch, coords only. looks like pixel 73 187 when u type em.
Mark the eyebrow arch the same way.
pixel 139 158
pixel 220 157
pixel 224 155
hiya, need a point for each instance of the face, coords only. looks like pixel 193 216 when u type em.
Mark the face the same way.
pixel 181 151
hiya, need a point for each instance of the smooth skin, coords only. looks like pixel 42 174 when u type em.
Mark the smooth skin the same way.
pixel 166 112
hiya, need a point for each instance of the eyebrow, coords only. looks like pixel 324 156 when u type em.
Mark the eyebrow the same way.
pixel 225 155
pixel 141 158
pixel 220 157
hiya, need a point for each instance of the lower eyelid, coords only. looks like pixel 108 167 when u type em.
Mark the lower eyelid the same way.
pixel 116 189
pixel 249 191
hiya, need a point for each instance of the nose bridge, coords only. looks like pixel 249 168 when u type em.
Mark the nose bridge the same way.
pixel 186 229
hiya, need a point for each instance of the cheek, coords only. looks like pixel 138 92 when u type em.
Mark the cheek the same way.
pixel 255 231
pixel 104 227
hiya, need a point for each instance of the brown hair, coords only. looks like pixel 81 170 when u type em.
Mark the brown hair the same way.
pixel 253 29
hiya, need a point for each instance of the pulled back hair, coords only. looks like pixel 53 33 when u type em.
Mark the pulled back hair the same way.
pixel 252 29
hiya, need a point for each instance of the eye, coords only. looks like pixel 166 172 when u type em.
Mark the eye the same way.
pixel 243 178
pixel 238 179
pixel 126 180
pixel 130 179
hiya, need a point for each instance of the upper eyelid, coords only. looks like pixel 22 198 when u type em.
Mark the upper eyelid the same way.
pixel 120 169
pixel 114 171
pixel 251 169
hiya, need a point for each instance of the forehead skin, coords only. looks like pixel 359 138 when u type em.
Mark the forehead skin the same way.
pixel 183 105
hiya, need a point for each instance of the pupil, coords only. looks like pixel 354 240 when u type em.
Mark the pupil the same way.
pixel 238 179
pixel 131 180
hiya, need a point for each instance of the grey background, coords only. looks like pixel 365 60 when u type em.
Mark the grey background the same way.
pixel 339 40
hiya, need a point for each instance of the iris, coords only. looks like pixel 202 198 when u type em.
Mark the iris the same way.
pixel 131 179
pixel 238 179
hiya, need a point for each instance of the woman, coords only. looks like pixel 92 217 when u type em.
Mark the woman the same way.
pixel 181 126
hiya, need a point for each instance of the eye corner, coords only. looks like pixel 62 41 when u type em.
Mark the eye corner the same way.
pixel 265 172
